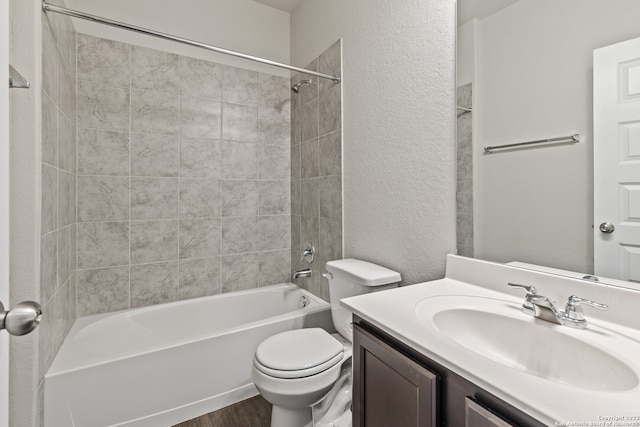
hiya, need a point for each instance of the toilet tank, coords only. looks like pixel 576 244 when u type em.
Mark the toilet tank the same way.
pixel 350 277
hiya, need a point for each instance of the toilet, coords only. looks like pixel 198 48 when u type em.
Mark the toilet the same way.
pixel 294 370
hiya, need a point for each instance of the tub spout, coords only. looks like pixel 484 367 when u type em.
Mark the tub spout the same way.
pixel 302 273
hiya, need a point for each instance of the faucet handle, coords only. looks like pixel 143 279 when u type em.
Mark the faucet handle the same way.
pixel 573 309
pixel 530 289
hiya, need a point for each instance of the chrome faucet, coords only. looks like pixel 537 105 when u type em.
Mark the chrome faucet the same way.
pixel 543 308
pixel 302 273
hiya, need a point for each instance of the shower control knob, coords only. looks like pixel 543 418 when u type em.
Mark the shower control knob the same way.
pixel 22 319
pixel 607 227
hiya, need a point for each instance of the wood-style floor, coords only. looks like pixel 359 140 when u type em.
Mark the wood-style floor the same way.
pixel 254 412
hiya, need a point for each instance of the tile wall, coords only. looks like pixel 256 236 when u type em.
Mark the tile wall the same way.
pixel 464 194
pixel 316 169
pixel 183 186
pixel 58 201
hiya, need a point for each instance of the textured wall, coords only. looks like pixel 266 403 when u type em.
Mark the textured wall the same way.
pixel 316 170
pixel 398 125
pixel 183 177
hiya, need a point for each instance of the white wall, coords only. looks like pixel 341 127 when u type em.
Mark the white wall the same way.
pixel 466 52
pixel 25 54
pixel 241 25
pixel 534 81
pixel 398 123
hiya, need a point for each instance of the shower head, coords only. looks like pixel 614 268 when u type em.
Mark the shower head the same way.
pixel 296 87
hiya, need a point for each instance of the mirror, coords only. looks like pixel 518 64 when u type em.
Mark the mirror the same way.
pixel 525 70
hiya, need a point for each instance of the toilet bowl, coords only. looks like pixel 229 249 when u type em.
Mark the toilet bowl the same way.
pixel 294 370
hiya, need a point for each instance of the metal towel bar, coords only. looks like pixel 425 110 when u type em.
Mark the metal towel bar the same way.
pixel 571 138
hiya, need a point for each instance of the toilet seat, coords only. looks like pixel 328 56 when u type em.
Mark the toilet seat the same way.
pixel 298 353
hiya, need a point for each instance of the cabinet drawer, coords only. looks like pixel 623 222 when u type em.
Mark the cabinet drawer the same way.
pixel 479 416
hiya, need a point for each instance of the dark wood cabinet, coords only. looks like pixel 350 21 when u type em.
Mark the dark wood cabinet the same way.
pixel 396 386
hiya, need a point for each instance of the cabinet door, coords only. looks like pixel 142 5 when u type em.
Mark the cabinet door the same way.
pixel 479 416
pixel 390 390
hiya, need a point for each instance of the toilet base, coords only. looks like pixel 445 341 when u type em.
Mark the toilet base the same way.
pixel 287 417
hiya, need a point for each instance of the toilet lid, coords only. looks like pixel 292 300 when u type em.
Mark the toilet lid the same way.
pixel 298 353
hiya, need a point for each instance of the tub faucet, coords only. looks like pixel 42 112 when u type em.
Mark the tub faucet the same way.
pixel 302 273
pixel 543 308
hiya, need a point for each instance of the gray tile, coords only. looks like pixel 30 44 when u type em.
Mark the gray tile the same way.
pixel 199 238
pixel 67 39
pixel 464 132
pixel 275 161
pixel 66 145
pixel 48 266
pixel 103 60
pixel 103 152
pixel 200 79
pixel 296 197
pixel 330 111
pixel 329 63
pixel 154 155
pixel 50 59
pixel 330 239
pixel 465 164
pixel 296 161
pixel 154 70
pixel 309 159
pixel 240 198
pixel 274 197
pixel 330 196
pixel 239 123
pixel 308 117
pixel 274 267
pixel 295 97
pixel 200 198
pixel 64 255
pixel 330 154
pixel 310 199
pixel 296 247
pixel 49 198
pixel 309 230
pixel 153 241
pixel 239 160
pixel 239 235
pixel 199 277
pixel 464 229
pixel 102 106
pixel 239 272
pixel 464 196
pixel 200 118
pixel 296 126
pixel 274 232
pixel 103 290
pixel 200 158
pixel 309 93
pixel 103 244
pixel 154 112
pixel 103 198
pixel 66 198
pixel 274 110
pixel 49 131
pixel 154 198
pixel 240 86
pixel 67 89
pixel 154 283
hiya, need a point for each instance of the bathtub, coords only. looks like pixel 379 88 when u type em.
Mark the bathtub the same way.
pixel 165 364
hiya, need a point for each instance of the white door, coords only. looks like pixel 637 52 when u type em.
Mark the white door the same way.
pixel 616 106
pixel 4 206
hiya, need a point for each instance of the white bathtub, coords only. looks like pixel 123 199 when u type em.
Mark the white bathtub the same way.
pixel 161 365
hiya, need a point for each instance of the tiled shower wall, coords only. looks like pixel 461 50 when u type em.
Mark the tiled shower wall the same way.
pixel 183 177
pixel 464 194
pixel 316 169
pixel 58 204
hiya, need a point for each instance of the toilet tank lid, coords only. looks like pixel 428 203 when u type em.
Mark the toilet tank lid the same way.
pixel 363 272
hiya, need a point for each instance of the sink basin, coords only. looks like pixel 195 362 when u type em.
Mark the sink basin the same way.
pixel 497 330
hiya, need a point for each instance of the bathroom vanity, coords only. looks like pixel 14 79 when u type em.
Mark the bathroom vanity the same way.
pixel 461 352
pixel 396 385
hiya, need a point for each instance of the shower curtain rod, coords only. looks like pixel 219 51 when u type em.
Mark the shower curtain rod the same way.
pixel 46 7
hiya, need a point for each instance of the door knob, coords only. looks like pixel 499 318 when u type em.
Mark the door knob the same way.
pixel 607 227
pixel 22 319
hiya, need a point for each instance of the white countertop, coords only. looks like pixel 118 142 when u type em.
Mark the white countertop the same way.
pixel 550 402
